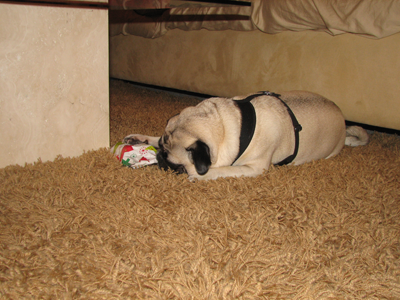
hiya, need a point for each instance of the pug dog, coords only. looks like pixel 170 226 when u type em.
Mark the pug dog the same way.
pixel 243 136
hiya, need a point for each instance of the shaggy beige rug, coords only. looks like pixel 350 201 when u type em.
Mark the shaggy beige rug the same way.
pixel 88 228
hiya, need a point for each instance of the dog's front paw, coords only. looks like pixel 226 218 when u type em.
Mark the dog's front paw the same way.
pixel 197 177
pixel 134 139
pixel 192 178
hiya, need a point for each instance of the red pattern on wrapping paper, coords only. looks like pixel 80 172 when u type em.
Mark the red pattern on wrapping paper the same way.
pixel 126 148
pixel 143 151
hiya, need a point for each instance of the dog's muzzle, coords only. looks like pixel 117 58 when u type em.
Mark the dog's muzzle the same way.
pixel 163 163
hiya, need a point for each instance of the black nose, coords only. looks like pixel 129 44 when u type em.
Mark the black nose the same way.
pixel 163 163
pixel 162 159
pixel 181 169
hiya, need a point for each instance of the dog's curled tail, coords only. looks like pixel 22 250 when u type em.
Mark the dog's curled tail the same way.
pixel 356 136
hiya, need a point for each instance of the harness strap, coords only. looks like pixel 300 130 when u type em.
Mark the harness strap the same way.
pixel 297 128
pixel 249 125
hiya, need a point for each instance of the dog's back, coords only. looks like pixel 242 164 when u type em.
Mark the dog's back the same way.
pixel 324 130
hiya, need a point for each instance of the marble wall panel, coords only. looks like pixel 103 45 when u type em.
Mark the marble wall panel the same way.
pixel 54 91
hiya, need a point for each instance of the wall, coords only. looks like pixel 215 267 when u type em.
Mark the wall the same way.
pixel 54 92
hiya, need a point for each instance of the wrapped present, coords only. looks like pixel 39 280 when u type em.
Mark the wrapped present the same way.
pixel 135 156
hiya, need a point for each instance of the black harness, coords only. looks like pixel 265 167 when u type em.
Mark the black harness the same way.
pixel 249 125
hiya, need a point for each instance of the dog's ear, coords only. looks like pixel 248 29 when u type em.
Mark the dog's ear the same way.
pixel 200 154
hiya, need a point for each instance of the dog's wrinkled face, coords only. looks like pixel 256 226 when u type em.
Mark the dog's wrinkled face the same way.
pixel 181 151
pixel 164 157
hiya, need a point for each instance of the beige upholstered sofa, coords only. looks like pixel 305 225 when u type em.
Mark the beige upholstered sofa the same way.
pixel 348 51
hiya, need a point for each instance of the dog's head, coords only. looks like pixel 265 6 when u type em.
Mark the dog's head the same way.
pixel 188 143
pixel 181 159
